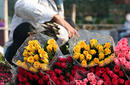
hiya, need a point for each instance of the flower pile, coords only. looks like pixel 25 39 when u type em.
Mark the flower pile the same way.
pixel 25 77
pixel 36 57
pixel 104 75
pixel 91 54
pixel 5 74
pixel 122 51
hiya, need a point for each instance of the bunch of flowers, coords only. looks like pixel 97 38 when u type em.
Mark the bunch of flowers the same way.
pixel 104 76
pixel 35 57
pixel 25 77
pixel 64 71
pixel 123 54
pixel 91 54
pixel 5 74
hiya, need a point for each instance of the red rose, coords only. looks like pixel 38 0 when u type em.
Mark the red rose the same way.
pixel 71 78
pixel 41 82
pixel 69 59
pixel 102 70
pixel 121 73
pixel 93 82
pixel 63 82
pixel 107 78
pixel 107 69
pixel 36 77
pixel 92 70
pixel 45 77
pixel 97 68
pixel 110 73
pixel 62 59
pixel 48 83
pixel 58 64
pixel 114 76
pixel 121 81
pixel 67 74
pixel 98 73
pixel 116 68
pixel 104 74
pixel 54 78
pixel 63 65
pixel 73 72
pixel 127 82
pixel 20 84
pixel 27 83
pixel 75 67
pixel 61 77
pixel 115 81
pixel 58 71
pixel 107 83
pixel 40 74
pixel 58 82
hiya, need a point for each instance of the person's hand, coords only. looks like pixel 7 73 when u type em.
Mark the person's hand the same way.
pixel 72 32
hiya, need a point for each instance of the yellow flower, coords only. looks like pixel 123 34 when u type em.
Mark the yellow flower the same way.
pixel 87 47
pixel 45 60
pixel 101 55
pixel 107 60
pixel 30 54
pixel 85 52
pixel 111 57
pixel 93 42
pixel 54 46
pixel 96 60
pixel 82 57
pixel 88 57
pixel 92 52
pixel 76 55
pixel 40 50
pixel 84 63
pixel 25 53
pixel 107 51
pixel 32 69
pixel 77 49
pixel 44 67
pixel 100 48
pixel 30 59
pixel 107 45
pixel 82 44
pixel 36 57
pixel 51 41
pixel 101 63
pixel 24 65
pixel 31 48
pixel 25 59
pixel 37 46
pixel 49 48
pixel 19 63
pixel 92 63
pixel 36 65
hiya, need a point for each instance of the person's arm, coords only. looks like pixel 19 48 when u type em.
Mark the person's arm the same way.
pixel 32 10
pixel 71 31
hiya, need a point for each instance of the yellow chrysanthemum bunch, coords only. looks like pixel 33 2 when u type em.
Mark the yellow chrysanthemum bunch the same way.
pixel 35 57
pixel 93 53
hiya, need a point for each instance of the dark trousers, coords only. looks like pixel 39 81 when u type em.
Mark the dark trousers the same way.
pixel 19 36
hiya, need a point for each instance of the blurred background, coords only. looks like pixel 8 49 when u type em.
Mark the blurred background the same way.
pixel 103 16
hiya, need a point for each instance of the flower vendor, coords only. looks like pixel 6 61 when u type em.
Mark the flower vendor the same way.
pixel 31 15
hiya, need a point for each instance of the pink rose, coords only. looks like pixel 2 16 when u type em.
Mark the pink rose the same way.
pixel 90 76
pixel 85 80
pixel 128 56
pixel 116 61
pixel 116 49
pixel 93 82
pixel 100 82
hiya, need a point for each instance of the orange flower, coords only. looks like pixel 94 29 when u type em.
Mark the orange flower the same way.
pixel 24 65
pixel 30 59
pixel 36 57
pixel 19 62
pixel 32 69
pixel 36 65
pixel 96 60
pixel 44 67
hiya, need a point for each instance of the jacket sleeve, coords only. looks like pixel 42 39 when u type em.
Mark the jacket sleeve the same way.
pixel 33 11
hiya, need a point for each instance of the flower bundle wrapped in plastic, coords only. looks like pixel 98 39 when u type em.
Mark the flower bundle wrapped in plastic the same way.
pixel 90 54
pixel 92 49
pixel 36 53
pixel 122 51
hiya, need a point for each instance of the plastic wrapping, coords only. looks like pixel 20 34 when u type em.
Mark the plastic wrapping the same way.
pixel 42 52
pixel 86 37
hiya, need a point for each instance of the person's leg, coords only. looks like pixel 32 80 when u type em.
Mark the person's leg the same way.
pixel 19 36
